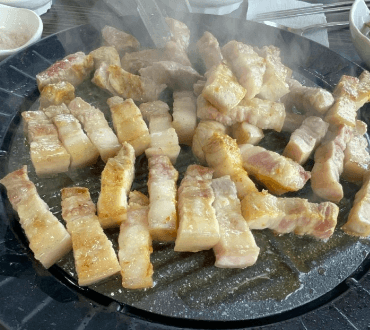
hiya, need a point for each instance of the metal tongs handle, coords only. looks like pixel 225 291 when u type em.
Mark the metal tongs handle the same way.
pixel 154 22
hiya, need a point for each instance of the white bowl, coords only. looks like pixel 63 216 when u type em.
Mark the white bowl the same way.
pixel 19 21
pixel 358 16
pixel 38 6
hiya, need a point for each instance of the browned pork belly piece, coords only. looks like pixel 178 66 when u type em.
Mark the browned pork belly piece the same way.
pixel 175 75
pixel 292 121
pixel 202 134
pixel 363 89
pixel 129 123
pixel 106 54
pixel 47 152
pixel 184 116
pixel 198 87
pixel 49 240
pixel 223 156
pixel 162 188
pixel 356 157
pixel 209 49
pixel 153 108
pixel 247 65
pixel 222 89
pixel 206 111
pixel 127 85
pixel 120 40
pixel 358 223
pixel 198 227
pixel 305 139
pixel 55 110
pixel 74 68
pixel 56 94
pixel 277 173
pixel 135 245
pixel 308 100
pixel 83 152
pixel 328 165
pixel 284 215
pixel 236 247
pixel 96 128
pixel 180 32
pixel 274 80
pixel 246 133
pixel 95 258
pixel 116 182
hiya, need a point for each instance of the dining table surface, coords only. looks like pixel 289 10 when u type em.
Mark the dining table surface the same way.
pixel 63 15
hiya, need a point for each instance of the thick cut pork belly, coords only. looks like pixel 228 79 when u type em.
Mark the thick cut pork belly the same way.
pixel 236 247
pixel 120 40
pixel 153 108
pixel 95 258
pixel 135 245
pixel 180 32
pixel 55 110
pixel 162 216
pixel 284 215
pixel 106 54
pixel 83 152
pixel 363 89
pixel 198 227
pixel 247 65
pixel 129 123
pixel 209 50
pixel 305 139
pixel 56 94
pixel 96 127
pixel 49 240
pixel 277 173
pixel 74 68
pixel 247 133
pixel 223 156
pixel 328 165
pixel 116 181
pixel 358 223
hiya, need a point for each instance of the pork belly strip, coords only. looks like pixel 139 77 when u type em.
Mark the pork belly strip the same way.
pixel 56 94
pixel 358 223
pixel 247 65
pixel 328 165
pixel 96 127
pixel 236 247
pixel 246 133
pixel 116 182
pixel 209 50
pixel 305 139
pixel 153 108
pixel 106 54
pixel 198 227
pixel 95 258
pixel 223 156
pixel 49 240
pixel 120 40
pixel 285 215
pixel 135 245
pixel 74 68
pixel 129 124
pixel 162 188
pixel 277 173
pixel 47 152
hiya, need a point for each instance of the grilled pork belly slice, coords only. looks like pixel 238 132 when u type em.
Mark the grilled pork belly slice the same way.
pixel 328 165
pixel 236 247
pixel 305 139
pixel 284 215
pixel 116 181
pixel 55 110
pixel 120 40
pixel 47 152
pixel 101 78
pixel 83 152
pixel 74 68
pixel 309 100
pixel 222 89
pixel 184 116
pixel 180 32
pixel 209 50
pixel 363 89
pixel 95 258
pixel 56 94
pixel 96 128
pixel 198 87
pixel 129 123
pixel 106 54
pixel 198 227
pixel 153 108
pixel 246 133
pixel 277 173
pixel 358 223
pixel 49 240
pixel 162 188
pixel 135 245
pixel 175 75
pixel 223 156
pixel 247 65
